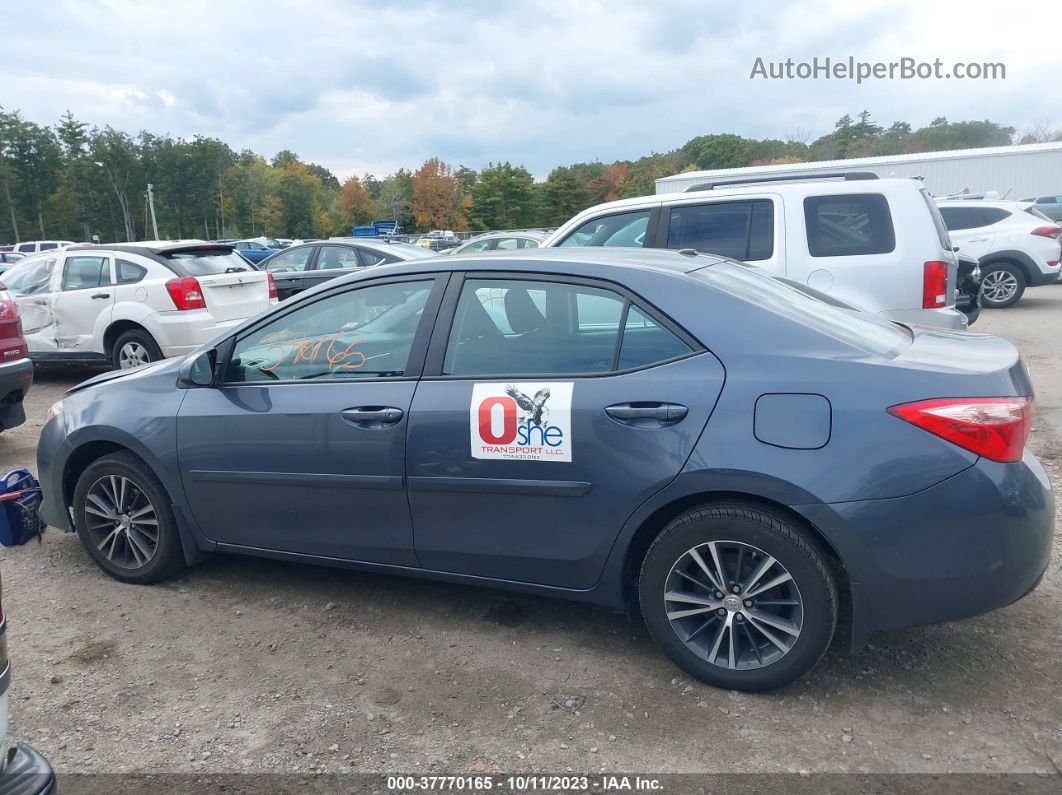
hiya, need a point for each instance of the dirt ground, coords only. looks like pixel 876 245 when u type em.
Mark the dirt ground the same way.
pixel 252 665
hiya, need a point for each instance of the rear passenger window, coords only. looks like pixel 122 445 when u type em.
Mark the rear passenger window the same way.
pixel 523 327
pixel 129 272
pixel 849 225
pixel 742 230
pixel 623 229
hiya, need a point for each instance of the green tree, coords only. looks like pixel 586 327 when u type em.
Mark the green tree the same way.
pixel 503 198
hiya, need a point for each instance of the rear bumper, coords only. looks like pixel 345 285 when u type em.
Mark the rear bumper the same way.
pixel 16 378
pixel 976 542
pixel 947 317
pixel 178 333
pixel 27 773
pixel 1042 277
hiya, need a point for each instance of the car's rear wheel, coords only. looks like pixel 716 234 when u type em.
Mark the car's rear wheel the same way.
pixel 134 348
pixel 1002 285
pixel 738 597
pixel 124 520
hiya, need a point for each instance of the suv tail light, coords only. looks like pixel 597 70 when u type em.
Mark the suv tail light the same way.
pixel 1052 232
pixel 186 293
pixel 935 285
pixel 272 286
pixel 995 428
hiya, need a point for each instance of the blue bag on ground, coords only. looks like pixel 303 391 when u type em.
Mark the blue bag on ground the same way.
pixel 20 501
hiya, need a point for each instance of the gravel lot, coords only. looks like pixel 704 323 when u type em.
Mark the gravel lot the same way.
pixel 251 665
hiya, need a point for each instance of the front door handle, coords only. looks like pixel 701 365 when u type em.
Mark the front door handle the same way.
pixel 373 416
pixel 648 414
pixel 101 295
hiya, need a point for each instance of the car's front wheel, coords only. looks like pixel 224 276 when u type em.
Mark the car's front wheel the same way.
pixel 1002 285
pixel 134 348
pixel 124 520
pixel 738 597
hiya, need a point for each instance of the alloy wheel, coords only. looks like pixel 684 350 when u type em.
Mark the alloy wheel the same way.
pixel 122 522
pixel 733 605
pixel 133 354
pixel 999 286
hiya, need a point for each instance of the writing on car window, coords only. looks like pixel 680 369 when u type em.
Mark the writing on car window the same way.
pixel 362 333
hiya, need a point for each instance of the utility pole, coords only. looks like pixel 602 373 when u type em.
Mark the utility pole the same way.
pixel 151 206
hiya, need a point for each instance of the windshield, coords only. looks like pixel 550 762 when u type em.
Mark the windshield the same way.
pixel 861 329
pixel 208 262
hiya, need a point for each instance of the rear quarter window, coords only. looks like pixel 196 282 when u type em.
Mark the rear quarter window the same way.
pixel 849 225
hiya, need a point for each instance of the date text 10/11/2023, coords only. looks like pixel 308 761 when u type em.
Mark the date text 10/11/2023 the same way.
pixel 524 783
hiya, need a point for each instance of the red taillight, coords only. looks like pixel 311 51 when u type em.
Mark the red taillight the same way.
pixel 1052 232
pixel 9 307
pixel 995 428
pixel 272 286
pixel 186 293
pixel 935 285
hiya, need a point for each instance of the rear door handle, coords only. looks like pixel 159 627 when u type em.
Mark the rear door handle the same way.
pixel 373 416
pixel 101 295
pixel 648 414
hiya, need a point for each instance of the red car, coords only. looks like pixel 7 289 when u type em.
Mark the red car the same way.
pixel 16 369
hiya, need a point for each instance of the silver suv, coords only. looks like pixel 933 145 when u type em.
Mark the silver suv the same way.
pixel 878 244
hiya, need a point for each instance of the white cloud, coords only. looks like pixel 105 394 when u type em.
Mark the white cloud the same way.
pixel 371 86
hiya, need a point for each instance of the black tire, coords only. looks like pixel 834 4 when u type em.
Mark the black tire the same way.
pixel 136 339
pixel 993 297
pixel 142 485
pixel 744 526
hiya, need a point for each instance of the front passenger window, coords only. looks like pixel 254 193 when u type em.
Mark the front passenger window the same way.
pixel 359 334
pixel 623 229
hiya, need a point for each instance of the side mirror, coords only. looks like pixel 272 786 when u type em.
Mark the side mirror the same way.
pixel 197 371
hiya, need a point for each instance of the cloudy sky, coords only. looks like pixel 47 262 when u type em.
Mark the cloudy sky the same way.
pixel 374 86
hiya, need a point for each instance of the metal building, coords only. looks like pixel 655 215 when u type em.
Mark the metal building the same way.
pixel 1014 172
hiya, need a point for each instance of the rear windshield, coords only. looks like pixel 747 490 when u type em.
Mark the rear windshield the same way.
pixel 852 326
pixel 208 262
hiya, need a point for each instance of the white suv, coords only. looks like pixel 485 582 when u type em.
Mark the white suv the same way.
pixel 133 303
pixel 1016 244
pixel 878 244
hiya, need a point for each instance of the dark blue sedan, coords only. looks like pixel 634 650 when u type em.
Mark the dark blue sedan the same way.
pixel 253 250
pixel 669 430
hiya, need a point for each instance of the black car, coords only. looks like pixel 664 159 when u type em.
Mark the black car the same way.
pixel 968 289
pixel 299 268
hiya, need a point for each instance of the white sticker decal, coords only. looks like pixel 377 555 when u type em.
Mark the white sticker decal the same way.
pixel 522 422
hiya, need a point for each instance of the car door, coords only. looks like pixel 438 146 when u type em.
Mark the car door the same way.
pixel 34 287
pixel 292 270
pixel 300 446
pixel 82 308
pixel 534 434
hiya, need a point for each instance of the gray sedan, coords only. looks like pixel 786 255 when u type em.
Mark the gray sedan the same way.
pixel 662 430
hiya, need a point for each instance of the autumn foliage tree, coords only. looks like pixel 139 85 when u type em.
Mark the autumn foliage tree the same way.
pixel 439 200
pixel 355 203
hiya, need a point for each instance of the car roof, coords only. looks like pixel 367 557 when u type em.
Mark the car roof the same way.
pixel 611 262
pixel 150 246
pixel 533 234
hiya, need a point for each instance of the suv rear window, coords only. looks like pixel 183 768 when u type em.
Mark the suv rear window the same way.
pixel 860 329
pixel 849 225
pixel 208 261
pixel 742 229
